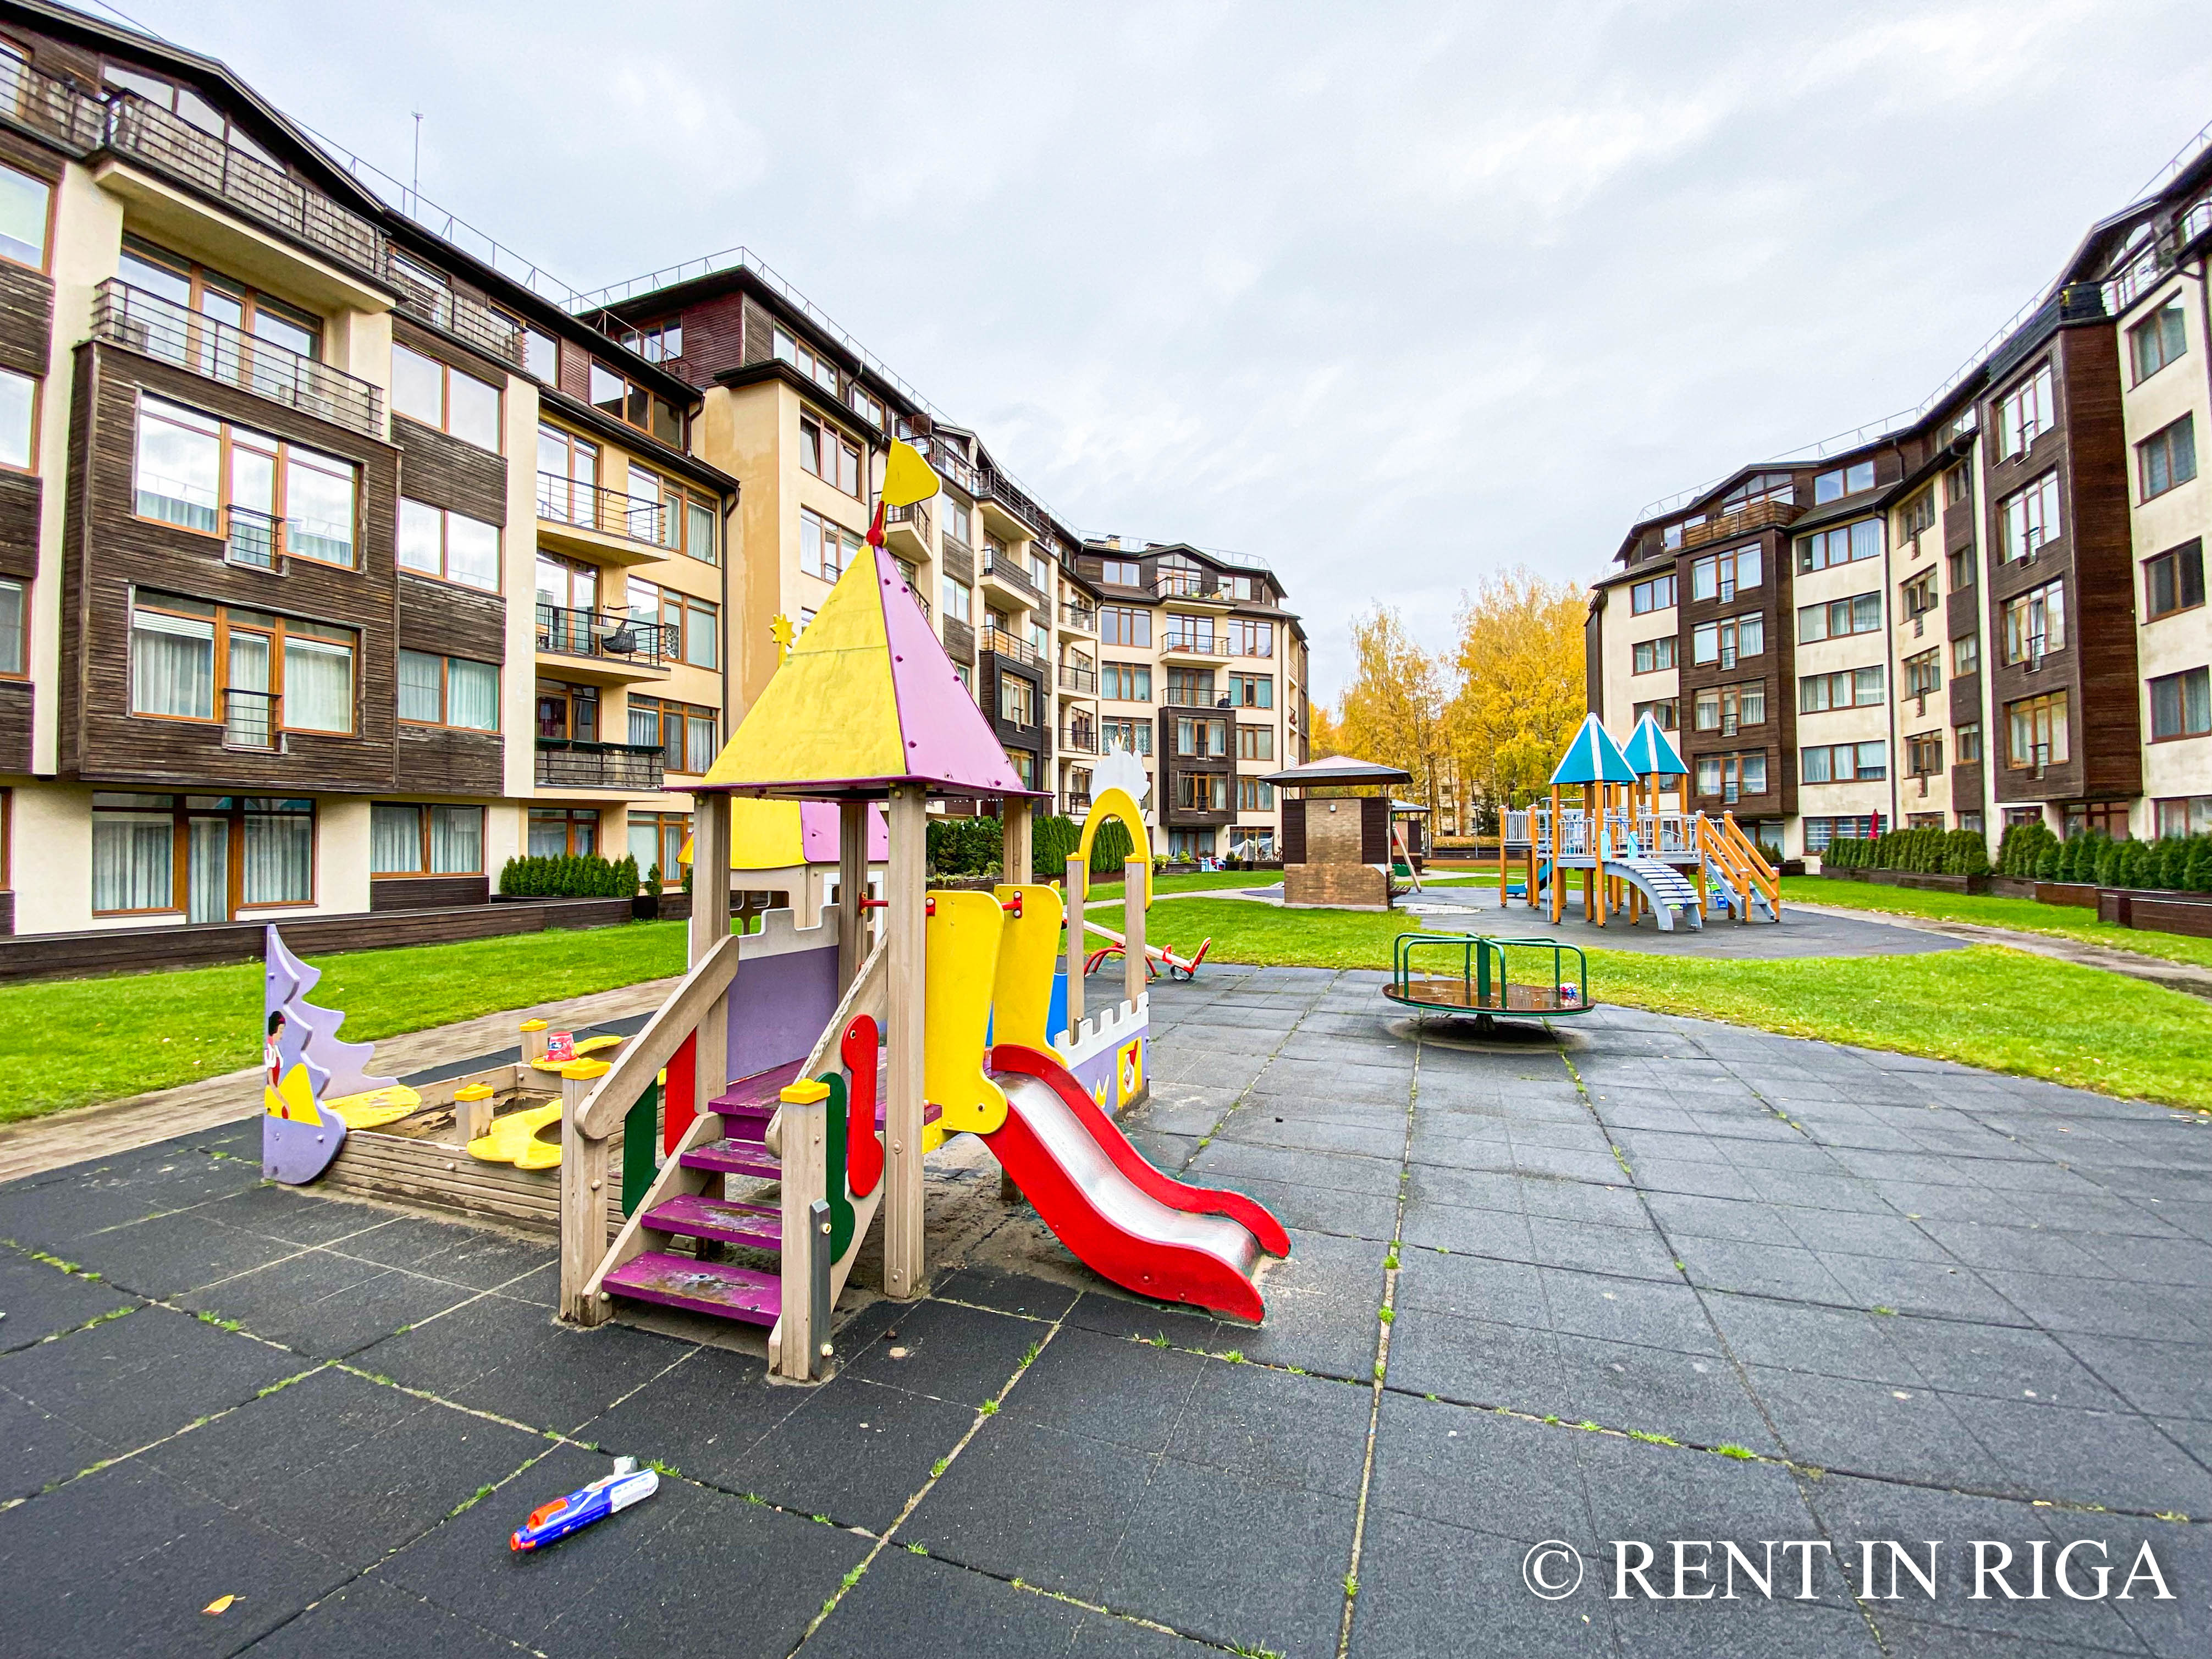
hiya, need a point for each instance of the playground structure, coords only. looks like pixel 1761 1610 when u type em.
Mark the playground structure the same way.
pixel 785 853
pixel 1487 985
pixel 826 1062
pixel 1633 855
pixel 1339 851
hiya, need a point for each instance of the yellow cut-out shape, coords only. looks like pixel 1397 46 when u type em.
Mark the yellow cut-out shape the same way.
pixel 293 1097
pixel 907 478
pixel 1129 1070
pixel 376 1108
pixel 961 964
pixel 1028 951
pixel 514 1139
pixel 584 1046
pixel 1110 804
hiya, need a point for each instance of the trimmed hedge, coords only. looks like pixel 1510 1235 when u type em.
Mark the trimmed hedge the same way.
pixel 2181 863
pixel 1926 851
pixel 570 876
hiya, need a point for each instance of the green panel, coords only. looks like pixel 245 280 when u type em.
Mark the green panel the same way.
pixel 641 1144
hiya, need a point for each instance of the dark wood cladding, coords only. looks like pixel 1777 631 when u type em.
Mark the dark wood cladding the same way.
pixel 20 496
pixel 1374 830
pixel 427 892
pixel 759 334
pixel 959 641
pixel 439 470
pixel 1774 667
pixel 997 669
pixel 575 372
pixel 447 762
pixel 16 699
pixel 27 320
pixel 449 621
pixel 959 562
pixel 443 348
pixel 7 913
pixel 1294 830
pixel 108 552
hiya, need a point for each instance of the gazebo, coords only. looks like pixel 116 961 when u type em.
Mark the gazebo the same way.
pixel 1336 851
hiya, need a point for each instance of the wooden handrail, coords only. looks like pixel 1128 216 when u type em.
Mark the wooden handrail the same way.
pixel 1754 859
pixel 645 1055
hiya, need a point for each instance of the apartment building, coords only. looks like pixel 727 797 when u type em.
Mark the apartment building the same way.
pixel 1990 610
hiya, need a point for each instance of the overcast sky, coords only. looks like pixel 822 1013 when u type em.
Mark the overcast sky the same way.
pixel 1388 296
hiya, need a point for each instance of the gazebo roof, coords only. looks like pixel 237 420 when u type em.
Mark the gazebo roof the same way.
pixel 1652 753
pixel 1592 758
pixel 1338 769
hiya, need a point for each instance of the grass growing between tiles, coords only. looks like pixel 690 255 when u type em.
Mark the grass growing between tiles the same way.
pixel 1988 910
pixel 73 1042
pixel 1984 1005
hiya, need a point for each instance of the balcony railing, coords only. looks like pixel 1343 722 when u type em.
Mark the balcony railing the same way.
pixel 426 294
pixel 609 638
pixel 251 720
pixel 143 322
pixel 1756 515
pixel 1085 680
pixel 51 108
pixel 1191 585
pixel 1195 644
pixel 1005 645
pixel 568 764
pixel 255 539
pixel 1079 740
pixel 609 511
pixel 915 514
pixel 1003 567
pixel 1079 616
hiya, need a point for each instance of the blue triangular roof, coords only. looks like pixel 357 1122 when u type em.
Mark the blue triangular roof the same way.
pixel 1592 758
pixel 1652 753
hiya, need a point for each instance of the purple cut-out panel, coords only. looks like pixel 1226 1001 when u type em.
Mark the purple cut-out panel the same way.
pixel 778 1007
pixel 819 837
pixel 294 1152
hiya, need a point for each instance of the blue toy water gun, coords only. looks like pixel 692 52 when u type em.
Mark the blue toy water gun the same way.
pixel 550 1523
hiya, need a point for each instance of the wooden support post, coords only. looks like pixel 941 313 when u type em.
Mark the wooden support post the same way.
pixel 710 924
pixel 852 888
pixel 533 1040
pixel 1133 967
pixel 472 1112
pixel 1014 840
pixel 583 1198
pixel 904 1269
pixel 1078 887
pixel 806 1113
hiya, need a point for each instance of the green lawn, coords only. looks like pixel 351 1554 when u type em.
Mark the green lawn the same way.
pixel 2028 917
pixel 69 1043
pixel 1983 1005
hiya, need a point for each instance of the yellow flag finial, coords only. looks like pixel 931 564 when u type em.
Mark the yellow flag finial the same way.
pixel 907 477
pixel 780 627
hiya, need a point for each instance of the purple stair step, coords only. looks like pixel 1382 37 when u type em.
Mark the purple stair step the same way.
pixel 754 1100
pixel 705 1287
pixel 760 1225
pixel 737 1157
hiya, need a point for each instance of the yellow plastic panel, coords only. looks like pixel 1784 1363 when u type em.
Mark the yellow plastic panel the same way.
pixel 293 1097
pixel 764 835
pixel 375 1109
pixel 1128 1071
pixel 1118 804
pixel 907 477
pixel 962 972
pixel 1029 954
pixel 514 1140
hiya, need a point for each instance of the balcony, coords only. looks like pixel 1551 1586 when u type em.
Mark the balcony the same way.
pixel 603 650
pixel 1183 642
pixel 1078 682
pixel 1192 590
pixel 52 109
pixel 1004 644
pixel 1082 616
pixel 1756 515
pixel 1000 571
pixel 564 764
pixel 906 531
pixel 1079 740
pixel 602 525
pixel 252 721
pixel 147 323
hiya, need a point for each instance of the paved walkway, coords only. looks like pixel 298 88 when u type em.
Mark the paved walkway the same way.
pixel 1679 1281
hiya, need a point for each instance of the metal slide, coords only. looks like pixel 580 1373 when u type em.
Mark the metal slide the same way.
pixel 1670 893
pixel 1145 1230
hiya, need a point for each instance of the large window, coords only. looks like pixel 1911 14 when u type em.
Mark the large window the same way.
pixel 193 287
pixel 207 856
pixel 1860 614
pixel 267 496
pixel 2035 624
pixel 825 548
pixel 14 627
pixel 1657 594
pixel 407 840
pixel 1718 575
pixel 570 713
pixel 1967 743
pixel 2181 705
pixel 1122 573
pixel 616 394
pixel 789 349
pixel 448 691
pixel 1017 700
pixel 2158 340
pixel 1202 792
pixel 423 389
pixel 1724 642
pixel 1846 543
pixel 1125 682
pixel 1847 688
pixel 2036 732
pixel 953 520
pixel 1966 655
pixel 1247 636
pixel 567 480
pixel 1843 481
pixel 278 673
pixel 1648 656
pixel 1254 795
pixel 1924 755
pixel 1958 565
pixel 657 838
pixel 1665 714
pixel 657 343
pixel 1923 673
pixel 1732 775
pixel 2029 517
pixel 2174 581
pixel 829 455
pixel 563 831
pixel 2025 413
pixel 1201 738
pixel 1124 624
pixel 452 546
pixel 1843 763
pixel 1135 736
pixel 1916 514
pixel 1918 595
pixel 19 420
pixel 1725 707
pixel 1256 743
pixel 684 732
pixel 24 210
pixel 1251 690
pixel 957 606
pixel 2183 815
pixel 2167 459
pixel 694 625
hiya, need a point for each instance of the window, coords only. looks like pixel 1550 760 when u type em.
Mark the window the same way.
pixel 1725 641
pixel 1820 833
pixel 425 841
pixel 2186 815
pixel 825 548
pixel 1843 763
pixel 1860 614
pixel 450 546
pixel 1252 690
pixel 1918 595
pixel 14 627
pixel 24 201
pixel 658 838
pixel 1923 673
pixel 2167 457
pixel 634 405
pixel 2035 624
pixel 1123 624
pixel 563 831
pixel 1731 775
pixel 657 343
pixel 2029 517
pixel 867 406
pixel 1024 765
pixel 150 852
pixel 2036 731
pixel 1924 755
pixel 567 481
pixel 1916 514
pixel 829 455
pixel 2025 414
pixel 1648 656
pixel 1663 712
pixel 693 627
pixel 1122 573
pixel 193 287
pixel 19 420
pixel 662 511
pixel 684 732
pixel 1966 655
pixel 1017 700
pixel 1254 795
pixel 1847 688
pixel 426 390
pixel 1201 738
pixel 1657 594
pixel 1958 565
pixel 1125 682
pixel 2181 705
pixel 448 691
pixel 1256 743
pixel 568 713
pixel 1721 574
pixel 196 471
pixel 791 349
pixel 541 352
pixel 1845 544
pixel 1967 742
pixel 956 600
pixel 1249 636
pixel 1135 736
pixel 1958 486
pixel 952 520
pixel 2174 581
pixel 279 674
pixel 1725 707
pixel 1843 481
pixel 1202 792
pixel 1191 688
pixel 2158 340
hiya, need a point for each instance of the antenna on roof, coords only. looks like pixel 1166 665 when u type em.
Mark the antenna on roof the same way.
pixel 416 189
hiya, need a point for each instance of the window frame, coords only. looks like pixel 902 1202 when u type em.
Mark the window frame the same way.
pixel 30 466
pixel 823 429
pixel 422 810
pixel 2182 558
pixel 1813 549
pixel 2152 328
pixel 219 645
pixel 445 515
pixel 2160 444
pixel 2014 547
pixel 665 712
pixel 23 585
pixel 2184 682
pixel 2031 396
pixel 444 423
pixel 445 721
pixel 235 812
pixel 569 817
pixel 45 266
pixel 1643 597
pixel 1966 736
pixel 1644 655
pixel 280 451
pixel 2056 706
pixel 2019 617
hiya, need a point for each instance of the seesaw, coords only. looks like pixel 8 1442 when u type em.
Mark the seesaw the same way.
pixel 1156 956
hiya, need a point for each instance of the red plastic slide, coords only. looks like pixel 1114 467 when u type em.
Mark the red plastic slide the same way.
pixel 1120 1216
